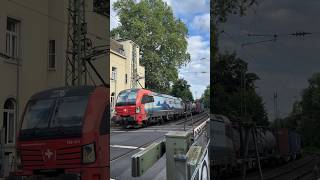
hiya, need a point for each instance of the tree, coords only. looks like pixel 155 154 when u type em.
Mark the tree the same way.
pixel 181 89
pixel 219 12
pixel 305 114
pixel 234 90
pixel 161 37
pixel 206 97
pixel 310 106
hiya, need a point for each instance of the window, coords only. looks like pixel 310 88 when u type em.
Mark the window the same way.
pixel 114 73
pixel 9 121
pixel 121 51
pixel 126 78
pixel 12 38
pixel 70 111
pixel 101 7
pixel 52 54
pixel 113 99
pixel 127 97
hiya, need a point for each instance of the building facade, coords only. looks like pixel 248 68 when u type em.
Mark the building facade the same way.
pixel 33 42
pixel 126 71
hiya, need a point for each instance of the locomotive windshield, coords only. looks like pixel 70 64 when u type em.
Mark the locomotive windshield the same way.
pixel 37 114
pixel 127 97
pixel 70 111
pixel 47 116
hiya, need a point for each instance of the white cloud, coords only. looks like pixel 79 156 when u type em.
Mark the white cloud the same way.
pixel 168 2
pixel 199 50
pixel 201 23
pixel 114 19
pixel 189 7
pixel 196 66
pixel 198 47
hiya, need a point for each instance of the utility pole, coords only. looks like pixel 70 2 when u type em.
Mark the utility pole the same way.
pixel 76 69
pixel 276 107
pixel 134 67
pixel 80 50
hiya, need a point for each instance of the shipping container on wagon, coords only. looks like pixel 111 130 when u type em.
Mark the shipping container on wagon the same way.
pixel 294 144
pixel 289 143
pixel 282 136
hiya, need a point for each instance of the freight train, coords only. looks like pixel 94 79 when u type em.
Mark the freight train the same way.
pixel 141 107
pixel 232 143
pixel 197 106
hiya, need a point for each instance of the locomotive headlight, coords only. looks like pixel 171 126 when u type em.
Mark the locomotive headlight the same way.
pixel 88 153
pixel 138 110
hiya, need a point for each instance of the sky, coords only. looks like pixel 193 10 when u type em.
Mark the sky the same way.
pixel 196 16
pixel 286 64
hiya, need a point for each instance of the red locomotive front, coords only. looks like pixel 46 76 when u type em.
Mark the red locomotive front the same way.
pixel 130 111
pixel 65 134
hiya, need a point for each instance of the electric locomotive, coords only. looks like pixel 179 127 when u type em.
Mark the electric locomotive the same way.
pixel 140 107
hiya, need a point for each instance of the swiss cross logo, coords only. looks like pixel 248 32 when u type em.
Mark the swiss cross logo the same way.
pixel 48 155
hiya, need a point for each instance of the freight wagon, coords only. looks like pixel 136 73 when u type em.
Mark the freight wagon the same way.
pixel 140 107
pixel 229 142
pixel 197 106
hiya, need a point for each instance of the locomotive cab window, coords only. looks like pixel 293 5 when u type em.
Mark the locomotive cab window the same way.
pixel 127 97
pixel 147 99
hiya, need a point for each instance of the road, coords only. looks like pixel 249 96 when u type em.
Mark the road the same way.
pixel 126 142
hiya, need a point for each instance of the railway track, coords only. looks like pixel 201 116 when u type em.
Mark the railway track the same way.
pixel 301 169
pixel 177 125
pixel 134 149
pixel 194 119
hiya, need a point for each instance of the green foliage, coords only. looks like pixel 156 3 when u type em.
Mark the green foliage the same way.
pixel 206 97
pixel 310 115
pixel 220 10
pixel 234 92
pixel 181 89
pixel 161 37
pixel 293 120
pixel 305 114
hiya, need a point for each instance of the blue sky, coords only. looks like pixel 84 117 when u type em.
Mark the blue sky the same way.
pixel 196 15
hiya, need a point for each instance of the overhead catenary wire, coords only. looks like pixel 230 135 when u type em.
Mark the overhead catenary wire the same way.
pixel 275 37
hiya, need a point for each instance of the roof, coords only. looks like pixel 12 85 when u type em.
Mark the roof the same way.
pixel 116 46
pixel 63 92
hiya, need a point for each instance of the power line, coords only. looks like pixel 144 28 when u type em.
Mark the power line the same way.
pixel 53 18
pixel 275 37
pixel 243 50
pixel 258 42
